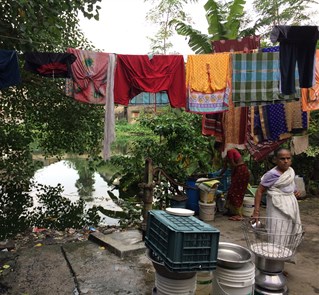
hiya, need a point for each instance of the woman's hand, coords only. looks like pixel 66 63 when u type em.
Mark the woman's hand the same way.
pixel 255 215
pixel 297 194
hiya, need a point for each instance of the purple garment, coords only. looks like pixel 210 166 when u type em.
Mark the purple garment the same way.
pixel 277 124
pixel 270 178
pixel 9 69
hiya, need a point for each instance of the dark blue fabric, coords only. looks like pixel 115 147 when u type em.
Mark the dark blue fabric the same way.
pixel 9 69
pixel 270 49
pixel 276 120
pixel 49 64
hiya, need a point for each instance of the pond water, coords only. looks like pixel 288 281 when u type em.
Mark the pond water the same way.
pixel 91 187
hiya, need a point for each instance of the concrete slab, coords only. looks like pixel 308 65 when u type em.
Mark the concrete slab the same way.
pixel 122 243
pixel 100 272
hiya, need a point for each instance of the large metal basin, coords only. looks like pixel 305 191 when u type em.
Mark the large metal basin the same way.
pixel 232 255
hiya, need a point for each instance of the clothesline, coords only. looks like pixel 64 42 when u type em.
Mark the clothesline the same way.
pixel 30 41
pixel 208 83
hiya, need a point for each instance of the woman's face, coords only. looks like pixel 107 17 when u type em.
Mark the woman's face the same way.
pixel 283 160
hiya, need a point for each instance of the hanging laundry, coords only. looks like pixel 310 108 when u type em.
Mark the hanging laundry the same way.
pixel 297 45
pixel 89 76
pixel 9 69
pixel 48 64
pixel 207 73
pixel 147 98
pixel 299 144
pixel 234 136
pixel 259 150
pixel 210 95
pixel 296 120
pixel 245 44
pixel 256 79
pixel 235 128
pixel 310 96
pixel 276 126
pixel 109 116
pixel 137 73
pixel 270 49
pixel 212 125
pixel 279 121
pixel 258 130
pixel 205 103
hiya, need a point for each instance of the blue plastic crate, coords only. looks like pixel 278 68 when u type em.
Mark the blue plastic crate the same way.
pixel 183 243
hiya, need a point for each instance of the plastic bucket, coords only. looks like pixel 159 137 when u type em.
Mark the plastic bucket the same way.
pixel 220 203
pixel 207 211
pixel 248 206
pixel 166 286
pixel 204 283
pixel 192 196
pixel 207 197
pixel 234 281
pixel 177 204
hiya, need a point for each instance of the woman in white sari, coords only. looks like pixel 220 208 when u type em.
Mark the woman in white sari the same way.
pixel 282 212
pixel 279 182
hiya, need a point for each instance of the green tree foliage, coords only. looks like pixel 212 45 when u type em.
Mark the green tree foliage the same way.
pixel 269 13
pixel 176 146
pixel 225 21
pixel 161 14
pixel 43 25
pixel 36 114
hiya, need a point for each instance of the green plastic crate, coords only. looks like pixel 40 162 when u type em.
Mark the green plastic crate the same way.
pixel 183 243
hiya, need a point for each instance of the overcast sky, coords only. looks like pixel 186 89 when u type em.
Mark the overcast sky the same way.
pixel 122 27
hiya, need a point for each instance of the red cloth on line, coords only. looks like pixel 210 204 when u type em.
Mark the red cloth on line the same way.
pixel 137 73
pixel 246 44
pixel 212 125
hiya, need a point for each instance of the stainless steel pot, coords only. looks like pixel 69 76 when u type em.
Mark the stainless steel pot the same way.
pixel 260 291
pixel 269 265
pixel 270 281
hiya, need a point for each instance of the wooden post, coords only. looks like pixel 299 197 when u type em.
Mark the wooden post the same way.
pixel 147 196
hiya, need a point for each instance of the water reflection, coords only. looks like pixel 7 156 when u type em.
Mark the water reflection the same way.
pixel 80 182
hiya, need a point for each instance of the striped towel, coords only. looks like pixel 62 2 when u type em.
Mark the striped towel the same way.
pixel 256 79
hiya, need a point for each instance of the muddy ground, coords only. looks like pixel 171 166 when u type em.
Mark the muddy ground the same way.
pixel 58 263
